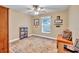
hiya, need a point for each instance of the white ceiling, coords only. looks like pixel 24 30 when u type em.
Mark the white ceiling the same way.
pixel 48 8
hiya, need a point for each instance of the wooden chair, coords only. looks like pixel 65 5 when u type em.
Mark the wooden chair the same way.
pixel 64 39
pixel 61 42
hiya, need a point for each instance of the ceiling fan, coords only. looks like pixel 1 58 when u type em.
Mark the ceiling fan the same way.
pixel 36 10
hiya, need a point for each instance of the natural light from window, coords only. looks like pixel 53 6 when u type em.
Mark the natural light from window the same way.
pixel 46 24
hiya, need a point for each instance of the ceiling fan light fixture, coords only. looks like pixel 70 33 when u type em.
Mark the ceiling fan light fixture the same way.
pixel 36 12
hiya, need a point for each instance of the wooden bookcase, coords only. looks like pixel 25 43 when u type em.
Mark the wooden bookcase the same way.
pixel 23 32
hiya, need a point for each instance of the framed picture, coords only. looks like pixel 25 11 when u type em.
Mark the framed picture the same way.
pixel 36 22
pixel 58 22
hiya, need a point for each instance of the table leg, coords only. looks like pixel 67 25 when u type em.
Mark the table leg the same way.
pixel 60 47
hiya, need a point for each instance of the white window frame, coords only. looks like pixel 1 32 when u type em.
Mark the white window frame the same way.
pixel 42 24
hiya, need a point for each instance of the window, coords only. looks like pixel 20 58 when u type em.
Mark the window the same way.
pixel 46 24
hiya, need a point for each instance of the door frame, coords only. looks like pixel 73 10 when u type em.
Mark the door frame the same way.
pixel 7 27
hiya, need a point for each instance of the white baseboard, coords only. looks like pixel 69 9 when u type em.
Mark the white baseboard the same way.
pixel 44 36
pixel 30 35
pixel 13 40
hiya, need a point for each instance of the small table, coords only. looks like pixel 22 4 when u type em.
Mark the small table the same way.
pixel 61 42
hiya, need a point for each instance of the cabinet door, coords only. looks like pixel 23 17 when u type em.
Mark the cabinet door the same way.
pixel 4 29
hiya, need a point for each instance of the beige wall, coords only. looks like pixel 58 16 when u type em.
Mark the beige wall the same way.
pixel 16 20
pixel 54 29
pixel 70 18
pixel 74 21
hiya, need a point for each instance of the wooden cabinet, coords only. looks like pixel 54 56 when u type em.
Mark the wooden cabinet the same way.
pixel 4 41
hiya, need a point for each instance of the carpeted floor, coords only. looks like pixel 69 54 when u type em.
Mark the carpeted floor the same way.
pixel 34 44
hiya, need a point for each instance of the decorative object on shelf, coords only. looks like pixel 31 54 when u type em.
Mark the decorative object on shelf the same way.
pixel 23 32
pixel 58 21
pixel 36 22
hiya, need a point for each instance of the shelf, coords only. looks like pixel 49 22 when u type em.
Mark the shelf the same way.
pixel 23 33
